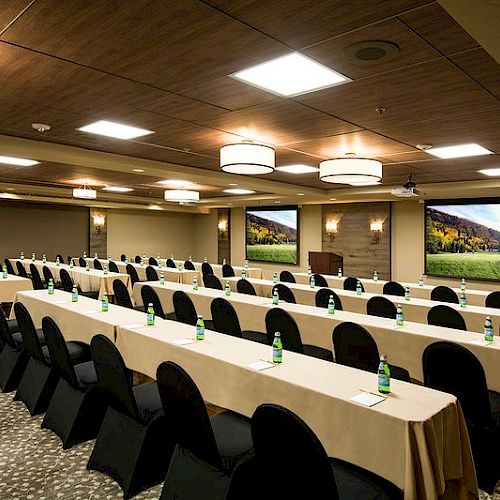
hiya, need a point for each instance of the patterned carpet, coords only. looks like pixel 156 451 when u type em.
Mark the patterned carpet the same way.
pixel 34 466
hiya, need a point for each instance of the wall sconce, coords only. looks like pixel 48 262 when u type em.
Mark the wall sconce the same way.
pixel 331 228
pixel 98 221
pixel 376 228
pixel 222 226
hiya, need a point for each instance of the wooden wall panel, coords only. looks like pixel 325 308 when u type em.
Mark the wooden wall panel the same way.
pixel 363 250
pixel 224 237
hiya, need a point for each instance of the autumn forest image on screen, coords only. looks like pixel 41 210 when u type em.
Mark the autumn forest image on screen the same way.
pixel 271 235
pixel 463 240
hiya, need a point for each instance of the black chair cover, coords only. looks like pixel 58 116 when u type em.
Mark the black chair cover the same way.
pixel 446 316
pixel 493 300
pixel 320 280
pixel 189 265
pixel 206 268
pixel 381 307
pixel 151 274
pixel 211 281
pixel 149 296
pixel 123 257
pixel 10 268
pixel 132 272
pixel 21 270
pixel 285 293
pixel 393 288
pixel 35 278
pixel 137 259
pixel 227 271
pixel 351 282
pixel 322 298
pixel 444 294
pixel 287 277
pixel 82 262
pixel 152 261
pixel 244 286
pixel 122 296
pixel 170 263
pixel 97 264
pixel 185 312
pixel 113 268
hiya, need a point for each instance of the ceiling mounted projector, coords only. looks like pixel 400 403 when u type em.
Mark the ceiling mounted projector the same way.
pixel 408 190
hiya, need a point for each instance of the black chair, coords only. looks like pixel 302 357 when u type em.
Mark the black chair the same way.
pixel 285 293
pixel 206 268
pixel 69 259
pixel 149 296
pixel 444 294
pixel 227 271
pixel 393 288
pixel 151 274
pixel 61 258
pixel 113 268
pixel 211 281
pixel 320 280
pixel 122 296
pixel 351 282
pixel 170 263
pixel 381 307
pixel 185 312
pixel 446 316
pixel 189 265
pixel 454 369
pixel 47 276
pixel 97 264
pixel 36 279
pixel 132 272
pixel 134 444
pixel 286 447
pixel 21 270
pixel 10 325
pixel 39 379
pixel 152 261
pixel 76 409
pixel 287 277
pixel 278 320
pixel 123 257
pixel 244 286
pixel 10 267
pixel 493 300
pixel 137 259
pixel 82 262
pixel 67 285
pixel 322 298
pixel 208 448
pixel 355 347
pixel 225 320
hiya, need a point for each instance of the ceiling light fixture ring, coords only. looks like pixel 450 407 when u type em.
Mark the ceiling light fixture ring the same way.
pixel 350 169
pixel 247 158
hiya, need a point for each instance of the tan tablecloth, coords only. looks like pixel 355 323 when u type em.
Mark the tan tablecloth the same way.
pixel 414 310
pixel 403 346
pixel 416 438
pixel 11 285
pixel 77 321
pixel 474 297
pixel 252 272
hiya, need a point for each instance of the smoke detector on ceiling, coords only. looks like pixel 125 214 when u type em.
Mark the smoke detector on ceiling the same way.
pixel 371 52
pixel 40 127
pixel 408 190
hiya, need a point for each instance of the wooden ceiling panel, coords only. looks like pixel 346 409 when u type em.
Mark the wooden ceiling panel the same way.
pixel 279 122
pixel 300 23
pixel 10 10
pixel 152 43
pixel 435 25
pixel 421 92
pixel 413 49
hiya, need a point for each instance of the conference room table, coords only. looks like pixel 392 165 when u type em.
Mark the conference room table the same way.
pixel 404 345
pixel 11 285
pixel 414 310
pixel 252 272
pixel 410 425
pixel 474 297
pixel 92 280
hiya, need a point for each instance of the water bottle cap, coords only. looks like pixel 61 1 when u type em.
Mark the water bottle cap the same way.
pixel 277 334
pixel 383 357
pixel 200 316
pixel 150 304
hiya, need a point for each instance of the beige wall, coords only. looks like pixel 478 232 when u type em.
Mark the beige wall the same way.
pixel 137 232
pixel 310 238
pixel 408 246
pixel 49 229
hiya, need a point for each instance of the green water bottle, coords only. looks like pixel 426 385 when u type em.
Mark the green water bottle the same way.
pixel 205 259
pixel 105 303
pixel 162 279
pixel 463 286
pixel 142 261
pixel 384 376
pixel 33 257
pixel 339 273
pixel 421 280
pixel 105 268
pixel 359 290
pixel 400 320
pixel 309 270
pixel 96 256
pixel 275 278
pixel 243 274
pixel 44 259
pixel 200 328
pixel 195 283
pixel 407 293
pixel 4 272
pixel 463 299
pixel 227 289
pixel 58 262
pixel 50 287
pixel 22 256
pixel 71 264
pixel 277 348
pixel 312 281
pixel 331 305
pixel 87 265
pixel 246 264
pixel 375 276
pixel 276 297
pixel 74 294
pixel 84 254
pixel 488 329
pixel 150 316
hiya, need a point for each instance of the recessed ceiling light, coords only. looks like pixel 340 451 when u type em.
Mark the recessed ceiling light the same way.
pixel 290 75
pixel 459 151
pixel 277 201
pixel 117 189
pixel 154 207
pixel 113 129
pixel 297 169
pixel 9 196
pixel 232 184
pixel 491 172
pixel 22 162
pixel 176 183
pixel 300 194
pixel 333 199
pixel 239 191
pixel 137 170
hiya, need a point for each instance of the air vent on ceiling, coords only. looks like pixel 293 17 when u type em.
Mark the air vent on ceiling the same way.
pixel 371 52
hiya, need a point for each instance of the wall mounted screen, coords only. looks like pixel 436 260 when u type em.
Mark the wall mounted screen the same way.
pixel 463 238
pixel 272 234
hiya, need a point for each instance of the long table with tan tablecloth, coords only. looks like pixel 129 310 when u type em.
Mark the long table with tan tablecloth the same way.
pixel 77 320
pixel 403 345
pixel 92 280
pixel 251 272
pixel 11 285
pixel 401 438
pixel 474 297
pixel 414 310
